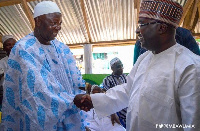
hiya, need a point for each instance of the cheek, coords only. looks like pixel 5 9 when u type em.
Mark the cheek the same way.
pixel 7 48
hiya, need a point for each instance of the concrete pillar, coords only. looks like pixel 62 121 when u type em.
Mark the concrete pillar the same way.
pixel 88 58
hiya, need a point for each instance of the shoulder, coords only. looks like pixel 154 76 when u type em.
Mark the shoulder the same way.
pixel 63 47
pixel 4 59
pixel 189 56
pixel 124 75
pixel 24 43
pixel 108 77
pixel 186 58
pixel 27 39
pixel 3 62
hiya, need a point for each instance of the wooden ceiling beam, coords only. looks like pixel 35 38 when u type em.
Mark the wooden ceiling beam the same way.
pixel 135 4
pixel 194 13
pixel 195 21
pixel 196 35
pixel 25 8
pixel 28 13
pixel 188 18
pixel 11 2
pixel 186 9
pixel 0 38
pixel 129 41
pixel 199 9
pixel 85 20
pixel 101 45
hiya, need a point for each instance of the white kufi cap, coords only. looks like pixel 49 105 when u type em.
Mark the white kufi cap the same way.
pixel 6 37
pixel 113 61
pixel 45 7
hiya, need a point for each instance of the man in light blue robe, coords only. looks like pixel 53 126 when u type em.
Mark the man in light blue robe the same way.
pixel 42 79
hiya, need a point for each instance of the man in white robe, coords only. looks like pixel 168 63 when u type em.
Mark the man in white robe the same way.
pixel 163 88
pixel 42 79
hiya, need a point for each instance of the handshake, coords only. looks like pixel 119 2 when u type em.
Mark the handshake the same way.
pixel 83 101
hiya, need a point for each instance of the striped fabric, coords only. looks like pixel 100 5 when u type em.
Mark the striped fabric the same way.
pixel 112 81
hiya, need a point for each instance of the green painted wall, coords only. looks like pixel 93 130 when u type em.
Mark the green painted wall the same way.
pixel 96 79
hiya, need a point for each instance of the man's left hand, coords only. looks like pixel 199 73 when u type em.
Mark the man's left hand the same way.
pixel 114 119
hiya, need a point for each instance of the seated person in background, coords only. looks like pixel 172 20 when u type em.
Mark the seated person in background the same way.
pixel 109 123
pixel 116 78
pixel 183 37
pixel 8 43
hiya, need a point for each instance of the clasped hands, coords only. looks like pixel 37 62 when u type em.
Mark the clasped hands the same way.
pixel 83 101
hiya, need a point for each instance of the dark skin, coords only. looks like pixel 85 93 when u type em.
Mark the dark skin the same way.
pixel 8 45
pixel 155 37
pixel 47 27
pixel 117 68
pixel 85 105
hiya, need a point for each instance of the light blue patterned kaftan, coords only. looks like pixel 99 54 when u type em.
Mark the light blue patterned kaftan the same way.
pixel 40 86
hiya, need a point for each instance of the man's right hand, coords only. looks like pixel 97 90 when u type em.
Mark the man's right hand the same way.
pixel 86 102
pixel 83 102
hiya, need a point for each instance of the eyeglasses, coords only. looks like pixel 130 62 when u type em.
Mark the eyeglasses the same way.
pixel 145 24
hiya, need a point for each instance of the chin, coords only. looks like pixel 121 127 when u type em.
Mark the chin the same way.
pixel 51 38
pixel 143 45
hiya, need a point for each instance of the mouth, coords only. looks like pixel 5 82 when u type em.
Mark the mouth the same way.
pixel 140 38
pixel 55 34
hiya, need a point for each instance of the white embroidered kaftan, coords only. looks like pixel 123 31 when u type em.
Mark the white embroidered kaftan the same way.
pixel 40 86
pixel 161 89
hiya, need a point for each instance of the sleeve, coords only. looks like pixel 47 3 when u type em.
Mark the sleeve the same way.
pixel 33 97
pixel 189 96
pixel 115 99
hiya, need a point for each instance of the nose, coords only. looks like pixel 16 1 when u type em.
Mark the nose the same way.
pixel 137 30
pixel 58 27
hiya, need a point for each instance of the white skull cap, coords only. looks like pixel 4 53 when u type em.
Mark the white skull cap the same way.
pixel 6 37
pixel 113 61
pixel 45 7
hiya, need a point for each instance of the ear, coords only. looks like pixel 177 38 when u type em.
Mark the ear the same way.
pixel 163 28
pixel 37 22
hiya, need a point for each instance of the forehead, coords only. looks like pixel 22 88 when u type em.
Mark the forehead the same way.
pixel 117 64
pixel 52 16
pixel 10 40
